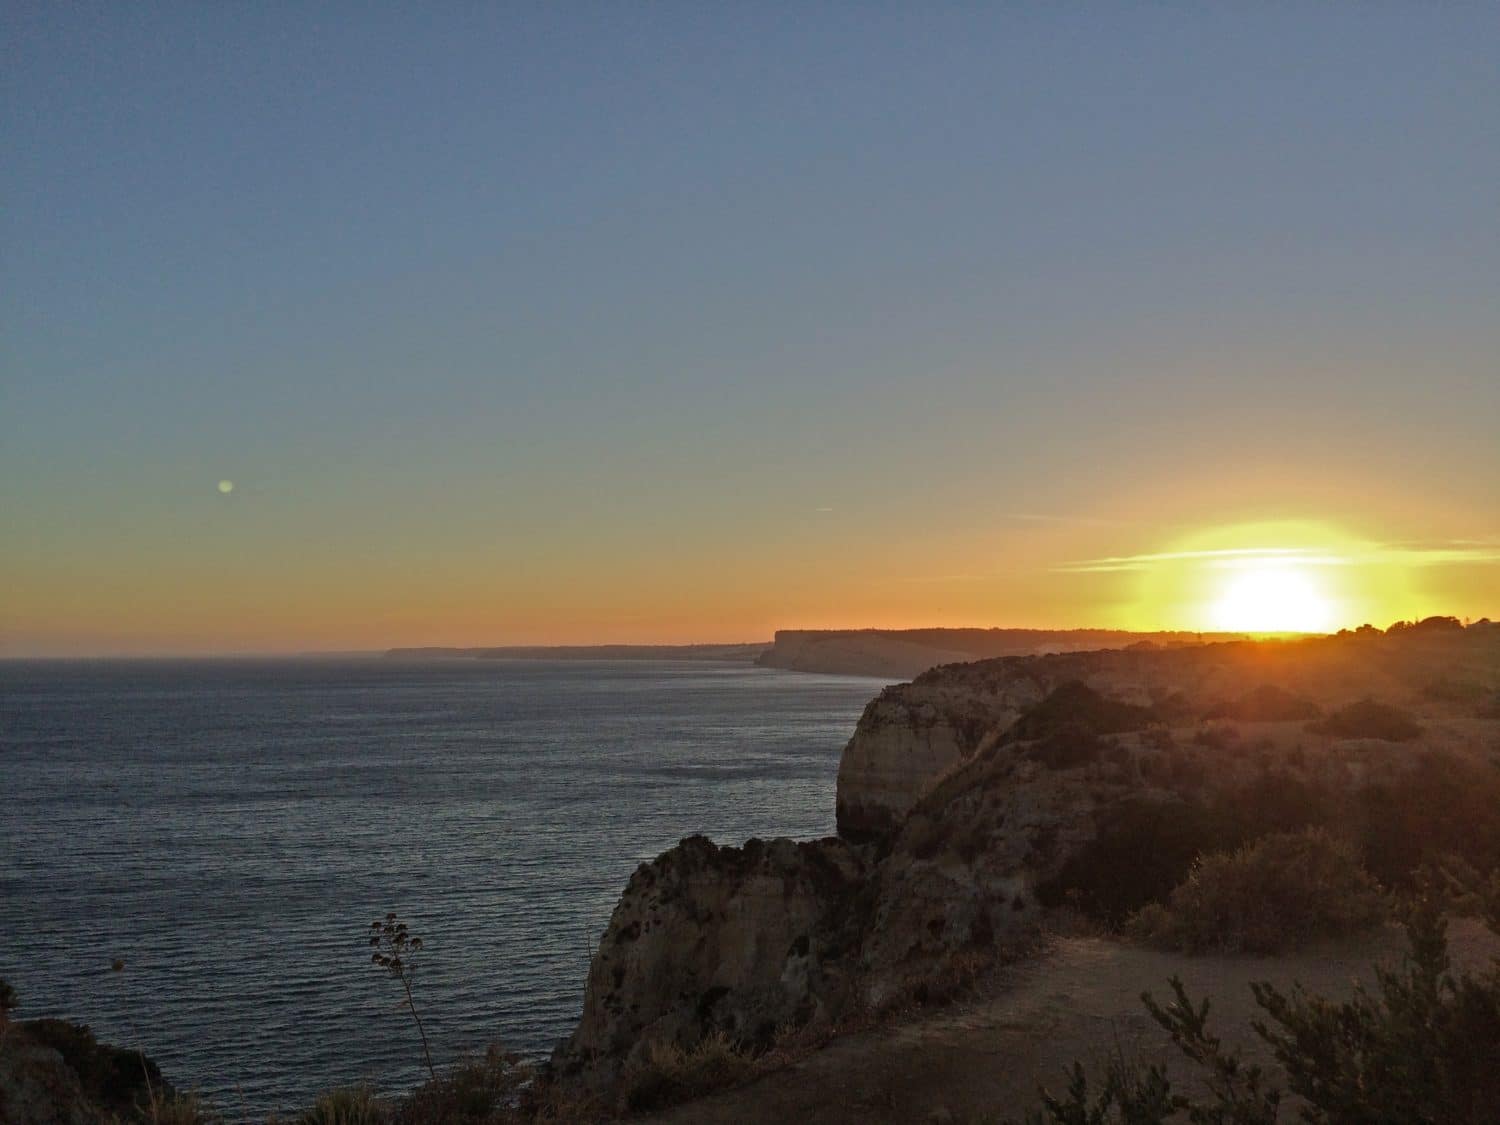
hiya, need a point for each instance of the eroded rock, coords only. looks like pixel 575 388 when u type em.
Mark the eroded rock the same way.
pixel 707 938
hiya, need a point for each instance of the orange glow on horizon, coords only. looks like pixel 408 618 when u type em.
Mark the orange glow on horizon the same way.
pixel 1288 577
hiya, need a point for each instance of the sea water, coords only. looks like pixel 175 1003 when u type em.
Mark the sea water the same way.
pixel 226 830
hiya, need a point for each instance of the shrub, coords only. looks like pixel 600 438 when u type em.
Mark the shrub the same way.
pixel 178 1109
pixel 1266 704
pixel 8 1001
pixel 474 1091
pixel 1424 1047
pixel 951 979
pixel 1443 806
pixel 1066 747
pixel 1278 893
pixel 1368 719
pixel 668 1074
pixel 1217 736
pixel 1131 1093
pixel 117 1080
pixel 1077 707
pixel 1275 800
pixel 1142 851
pixel 1445 690
pixel 355 1105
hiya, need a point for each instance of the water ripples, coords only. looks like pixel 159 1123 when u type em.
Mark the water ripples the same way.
pixel 230 828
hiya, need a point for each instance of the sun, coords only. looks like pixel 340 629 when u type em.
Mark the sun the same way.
pixel 1272 599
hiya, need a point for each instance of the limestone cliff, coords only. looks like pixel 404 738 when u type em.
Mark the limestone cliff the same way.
pixel 982 797
pixel 911 734
pixel 739 940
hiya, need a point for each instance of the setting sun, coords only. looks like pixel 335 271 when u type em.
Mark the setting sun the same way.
pixel 1272 599
pixel 1282 576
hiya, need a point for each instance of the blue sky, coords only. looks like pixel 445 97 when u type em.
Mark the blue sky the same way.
pixel 478 297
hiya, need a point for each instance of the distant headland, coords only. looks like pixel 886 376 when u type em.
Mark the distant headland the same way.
pixel 728 652
pixel 904 653
pixel 885 653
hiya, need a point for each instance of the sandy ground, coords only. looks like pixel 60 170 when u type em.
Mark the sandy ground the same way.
pixel 984 1059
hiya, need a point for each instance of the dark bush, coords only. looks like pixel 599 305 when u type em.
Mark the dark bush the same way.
pixel 1423 1047
pixel 1143 850
pixel 1368 719
pixel 1273 801
pixel 116 1080
pixel 1067 747
pixel 1219 736
pixel 356 1105
pixel 1266 704
pixel 1277 893
pixel 1075 706
pixel 1454 691
pixel 665 1074
pixel 1443 806
pixel 473 1091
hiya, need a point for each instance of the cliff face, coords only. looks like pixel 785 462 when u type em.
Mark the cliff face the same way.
pixel 740 940
pixel 909 736
pixel 912 734
pixel 980 797
pixel 53 1072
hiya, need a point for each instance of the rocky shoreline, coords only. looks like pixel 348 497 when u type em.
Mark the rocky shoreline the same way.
pixel 978 806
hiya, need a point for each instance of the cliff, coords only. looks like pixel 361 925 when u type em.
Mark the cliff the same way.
pixel 903 653
pixel 741 940
pixel 54 1072
pixel 983 798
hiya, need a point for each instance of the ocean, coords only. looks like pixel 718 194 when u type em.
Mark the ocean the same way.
pixel 228 829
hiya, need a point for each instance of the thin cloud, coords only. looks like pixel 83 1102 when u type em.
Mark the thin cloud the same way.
pixel 1454 552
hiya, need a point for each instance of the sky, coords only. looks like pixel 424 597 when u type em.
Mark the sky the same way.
pixel 667 322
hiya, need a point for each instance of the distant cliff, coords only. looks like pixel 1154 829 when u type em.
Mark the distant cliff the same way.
pixel 730 652
pixel 903 653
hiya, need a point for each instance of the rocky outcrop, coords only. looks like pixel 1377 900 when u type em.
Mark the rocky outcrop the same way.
pixel 980 797
pixel 37 1086
pixel 912 734
pixel 909 736
pixel 740 940
pixel 963 873
pixel 54 1072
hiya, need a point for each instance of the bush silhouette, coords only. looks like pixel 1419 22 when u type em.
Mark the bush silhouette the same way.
pixel 1277 893
pixel 1368 719
pixel 1423 1047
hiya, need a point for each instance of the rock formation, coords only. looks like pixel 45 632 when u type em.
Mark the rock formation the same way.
pixel 54 1072
pixel 740 940
pixel 979 798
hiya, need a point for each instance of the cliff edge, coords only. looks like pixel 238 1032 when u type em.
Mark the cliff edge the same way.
pixel 982 799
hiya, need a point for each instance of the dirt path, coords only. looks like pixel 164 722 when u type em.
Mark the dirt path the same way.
pixel 987 1058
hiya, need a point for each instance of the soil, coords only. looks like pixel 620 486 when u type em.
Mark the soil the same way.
pixel 984 1059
